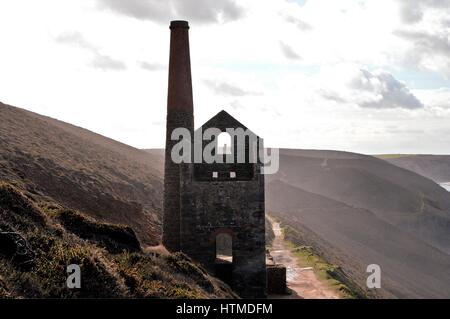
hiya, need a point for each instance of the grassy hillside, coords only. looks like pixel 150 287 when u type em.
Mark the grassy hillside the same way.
pixel 38 240
pixel 397 196
pixel 82 170
pixel 356 210
pixel 434 167
pixel 393 156
pixel 353 210
pixel 332 275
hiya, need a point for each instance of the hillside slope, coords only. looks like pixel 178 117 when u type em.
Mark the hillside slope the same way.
pixel 354 238
pixel 82 170
pixel 38 240
pixel 401 198
pixel 354 209
pixel 435 167
pixel 357 210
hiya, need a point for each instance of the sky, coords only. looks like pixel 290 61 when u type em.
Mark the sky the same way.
pixel 368 76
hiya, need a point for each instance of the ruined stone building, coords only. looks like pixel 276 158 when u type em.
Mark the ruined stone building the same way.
pixel 213 212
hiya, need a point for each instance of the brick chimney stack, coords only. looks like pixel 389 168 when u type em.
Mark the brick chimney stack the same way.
pixel 180 113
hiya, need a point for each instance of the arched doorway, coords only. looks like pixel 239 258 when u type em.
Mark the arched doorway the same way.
pixel 224 257
pixel 224 247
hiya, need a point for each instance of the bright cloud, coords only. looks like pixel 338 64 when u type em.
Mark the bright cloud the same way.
pixel 377 90
pixel 203 11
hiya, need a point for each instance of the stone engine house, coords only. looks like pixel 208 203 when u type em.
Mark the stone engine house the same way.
pixel 213 212
pixel 222 213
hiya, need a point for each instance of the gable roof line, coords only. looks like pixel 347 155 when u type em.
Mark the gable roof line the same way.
pixel 225 113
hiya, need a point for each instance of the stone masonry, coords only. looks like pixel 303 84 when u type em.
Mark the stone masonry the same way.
pixel 180 113
pixel 202 200
pixel 210 206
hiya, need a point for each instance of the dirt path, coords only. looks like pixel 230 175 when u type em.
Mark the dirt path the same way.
pixel 302 280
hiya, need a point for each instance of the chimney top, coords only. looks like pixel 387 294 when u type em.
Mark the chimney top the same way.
pixel 179 24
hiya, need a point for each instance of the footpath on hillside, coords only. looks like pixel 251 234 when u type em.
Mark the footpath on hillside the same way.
pixel 300 279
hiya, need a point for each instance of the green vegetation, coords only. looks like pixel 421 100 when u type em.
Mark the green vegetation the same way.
pixel 330 274
pixel 172 276
pixel 326 272
pixel 393 156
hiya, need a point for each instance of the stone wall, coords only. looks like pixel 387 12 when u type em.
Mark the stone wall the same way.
pixel 276 280
pixel 210 207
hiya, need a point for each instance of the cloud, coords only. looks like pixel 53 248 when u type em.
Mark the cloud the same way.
pixel 139 9
pixel 427 35
pixel 201 11
pixel 224 88
pixel 289 52
pixel 377 90
pixel 105 62
pixel 389 92
pixel 427 30
pixel 410 13
pixel 99 60
pixel 427 42
pixel 302 25
pixel 152 66
pixel 74 38
pixel 331 95
pixel 427 51
pixel 404 131
pixel 414 11
pixel 437 99
pixel 235 105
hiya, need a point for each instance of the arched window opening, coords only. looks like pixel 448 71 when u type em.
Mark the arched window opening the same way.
pixel 224 143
